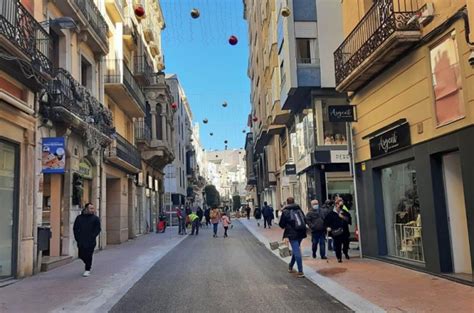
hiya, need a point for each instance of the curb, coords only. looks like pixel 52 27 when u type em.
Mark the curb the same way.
pixel 339 292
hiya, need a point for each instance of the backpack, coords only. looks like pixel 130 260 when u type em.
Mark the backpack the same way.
pixel 318 224
pixel 297 217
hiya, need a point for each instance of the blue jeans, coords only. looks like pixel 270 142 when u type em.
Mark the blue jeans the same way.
pixel 296 255
pixel 319 238
pixel 215 228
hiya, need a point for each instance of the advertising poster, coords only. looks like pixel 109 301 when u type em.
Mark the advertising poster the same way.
pixel 54 155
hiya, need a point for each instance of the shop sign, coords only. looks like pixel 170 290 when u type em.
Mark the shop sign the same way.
pixel 340 156
pixel 54 155
pixel 303 163
pixel 85 170
pixel 390 141
pixel 342 113
pixel 290 169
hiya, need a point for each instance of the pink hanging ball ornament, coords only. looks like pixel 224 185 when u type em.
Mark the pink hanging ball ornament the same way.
pixel 139 11
pixel 233 40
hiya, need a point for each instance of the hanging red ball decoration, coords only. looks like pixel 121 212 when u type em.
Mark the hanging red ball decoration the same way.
pixel 233 40
pixel 255 119
pixel 174 106
pixel 139 11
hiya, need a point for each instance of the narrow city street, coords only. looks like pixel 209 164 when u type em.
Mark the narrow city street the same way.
pixel 236 274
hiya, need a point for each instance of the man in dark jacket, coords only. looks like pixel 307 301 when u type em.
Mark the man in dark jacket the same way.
pixel 247 211
pixel 315 219
pixel 257 213
pixel 207 216
pixel 86 229
pixel 337 223
pixel 293 221
pixel 200 214
pixel 268 216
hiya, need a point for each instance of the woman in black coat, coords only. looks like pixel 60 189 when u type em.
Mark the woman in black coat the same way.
pixel 337 223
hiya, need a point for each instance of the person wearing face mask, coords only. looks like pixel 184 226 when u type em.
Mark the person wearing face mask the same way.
pixel 315 220
pixel 337 223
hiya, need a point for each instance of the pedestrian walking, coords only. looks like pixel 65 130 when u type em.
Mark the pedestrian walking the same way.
pixel 200 214
pixel 225 223
pixel 257 213
pixel 86 229
pixel 207 216
pixel 247 210
pixel 315 220
pixel 215 216
pixel 293 222
pixel 268 216
pixel 181 221
pixel 337 223
pixel 195 223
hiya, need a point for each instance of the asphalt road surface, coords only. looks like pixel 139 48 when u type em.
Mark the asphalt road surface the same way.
pixel 235 274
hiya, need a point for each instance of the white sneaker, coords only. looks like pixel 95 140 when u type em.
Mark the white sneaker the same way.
pixel 86 274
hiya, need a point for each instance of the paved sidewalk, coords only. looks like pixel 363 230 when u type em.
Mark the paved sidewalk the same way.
pixel 384 286
pixel 114 271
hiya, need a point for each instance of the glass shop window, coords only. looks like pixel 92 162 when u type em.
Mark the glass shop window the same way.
pixel 402 212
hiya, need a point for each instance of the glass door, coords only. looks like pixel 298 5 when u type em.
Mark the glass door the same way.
pixel 8 207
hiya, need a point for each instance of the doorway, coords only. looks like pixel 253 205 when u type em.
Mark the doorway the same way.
pixel 456 212
pixel 9 208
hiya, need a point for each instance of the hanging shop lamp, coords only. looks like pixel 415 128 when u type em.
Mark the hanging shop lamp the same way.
pixel 233 40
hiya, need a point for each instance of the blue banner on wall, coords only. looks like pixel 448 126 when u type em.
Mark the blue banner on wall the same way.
pixel 53 155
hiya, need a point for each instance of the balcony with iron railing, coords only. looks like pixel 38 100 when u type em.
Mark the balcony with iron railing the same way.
pixel 122 87
pixel 88 15
pixel 143 68
pixel 143 130
pixel 74 105
pixel 382 35
pixel 124 154
pixel 24 37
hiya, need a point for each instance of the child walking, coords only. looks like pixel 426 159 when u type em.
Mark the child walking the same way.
pixel 225 222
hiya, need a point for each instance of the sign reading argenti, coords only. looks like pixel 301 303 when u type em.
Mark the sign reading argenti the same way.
pixel 53 157
pixel 342 113
pixel 390 141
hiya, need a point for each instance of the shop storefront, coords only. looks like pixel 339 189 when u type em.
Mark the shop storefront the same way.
pixel 412 201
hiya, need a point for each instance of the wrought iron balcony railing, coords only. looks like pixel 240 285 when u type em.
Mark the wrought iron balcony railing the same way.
pixel 143 67
pixel 95 18
pixel 143 130
pixel 384 19
pixel 24 32
pixel 117 72
pixel 67 93
pixel 125 151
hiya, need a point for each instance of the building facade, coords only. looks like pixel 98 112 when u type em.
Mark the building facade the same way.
pixel 176 183
pixel 78 89
pixel 297 150
pixel 413 88
pixel 227 172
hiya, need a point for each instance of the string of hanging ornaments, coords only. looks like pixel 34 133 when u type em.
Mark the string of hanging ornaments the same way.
pixel 206 21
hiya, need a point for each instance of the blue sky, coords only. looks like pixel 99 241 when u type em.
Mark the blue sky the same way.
pixel 210 70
